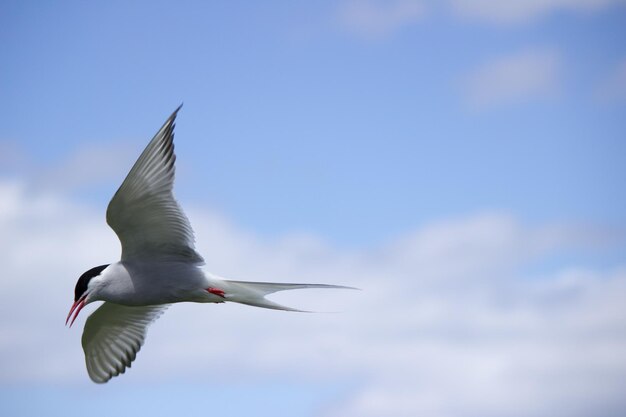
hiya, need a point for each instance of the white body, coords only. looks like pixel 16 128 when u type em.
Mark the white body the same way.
pixel 140 283
pixel 144 283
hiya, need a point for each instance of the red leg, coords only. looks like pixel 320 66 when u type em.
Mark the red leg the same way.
pixel 216 291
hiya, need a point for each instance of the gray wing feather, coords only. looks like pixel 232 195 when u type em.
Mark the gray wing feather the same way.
pixel 144 213
pixel 112 337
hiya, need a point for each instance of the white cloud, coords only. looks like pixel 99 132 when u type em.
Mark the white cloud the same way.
pixel 96 164
pixel 448 322
pixel 374 19
pixel 12 155
pixel 89 165
pixel 527 75
pixel 613 88
pixel 522 11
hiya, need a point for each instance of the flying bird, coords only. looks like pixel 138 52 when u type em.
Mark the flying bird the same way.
pixel 159 266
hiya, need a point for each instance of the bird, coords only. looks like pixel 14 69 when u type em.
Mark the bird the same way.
pixel 159 266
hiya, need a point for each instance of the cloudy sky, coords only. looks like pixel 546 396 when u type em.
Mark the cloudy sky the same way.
pixel 462 162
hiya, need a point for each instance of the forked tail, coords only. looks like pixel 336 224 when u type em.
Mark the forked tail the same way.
pixel 253 293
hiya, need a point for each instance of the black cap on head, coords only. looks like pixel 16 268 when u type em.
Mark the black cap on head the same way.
pixel 83 281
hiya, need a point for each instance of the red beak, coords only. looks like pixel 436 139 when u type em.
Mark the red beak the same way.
pixel 76 307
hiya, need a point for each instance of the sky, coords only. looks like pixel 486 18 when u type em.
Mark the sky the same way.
pixel 461 162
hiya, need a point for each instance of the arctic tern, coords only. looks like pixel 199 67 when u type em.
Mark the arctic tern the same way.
pixel 159 266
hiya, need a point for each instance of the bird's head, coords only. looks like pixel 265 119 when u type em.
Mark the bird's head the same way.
pixel 85 290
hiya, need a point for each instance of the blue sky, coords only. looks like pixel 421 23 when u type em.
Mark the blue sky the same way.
pixel 383 137
pixel 381 124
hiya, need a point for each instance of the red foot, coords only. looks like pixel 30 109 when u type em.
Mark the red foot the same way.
pixel 216 291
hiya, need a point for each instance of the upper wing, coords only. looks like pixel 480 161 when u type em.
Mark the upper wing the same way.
pixel 143 212
pixel 112 337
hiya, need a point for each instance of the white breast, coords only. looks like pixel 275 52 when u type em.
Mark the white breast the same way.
pixel 147 283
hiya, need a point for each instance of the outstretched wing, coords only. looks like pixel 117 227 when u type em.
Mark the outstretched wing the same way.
pixel 112 337
pixel 143 212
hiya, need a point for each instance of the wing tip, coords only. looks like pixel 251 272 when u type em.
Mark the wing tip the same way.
pixel 175 112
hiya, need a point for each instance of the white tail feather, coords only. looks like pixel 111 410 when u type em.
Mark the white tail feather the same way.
pixel 253 293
